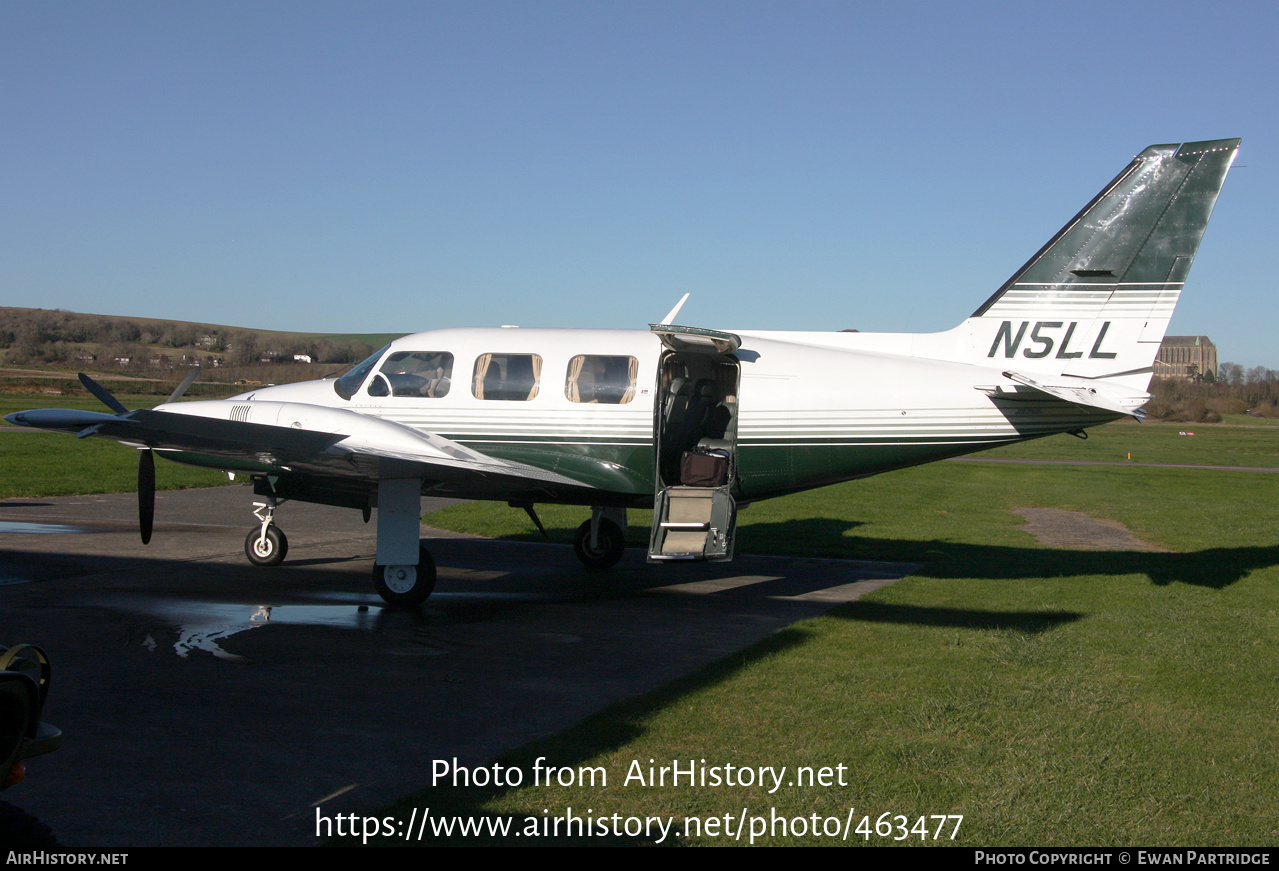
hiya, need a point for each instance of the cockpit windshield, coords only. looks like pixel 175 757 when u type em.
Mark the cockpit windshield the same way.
pixel 351 381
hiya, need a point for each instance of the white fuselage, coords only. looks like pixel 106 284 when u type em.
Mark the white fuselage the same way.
pixel 813 408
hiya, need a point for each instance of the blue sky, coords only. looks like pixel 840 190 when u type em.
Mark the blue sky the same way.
pixel 393 167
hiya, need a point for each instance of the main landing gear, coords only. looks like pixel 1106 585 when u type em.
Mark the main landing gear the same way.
pixel 266 545
pixel 600 542
pixel 406 585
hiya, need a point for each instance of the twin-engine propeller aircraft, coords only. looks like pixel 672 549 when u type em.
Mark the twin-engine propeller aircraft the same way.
pixel 693 421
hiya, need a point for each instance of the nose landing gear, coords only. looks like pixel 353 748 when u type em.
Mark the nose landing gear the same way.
pixel 266 545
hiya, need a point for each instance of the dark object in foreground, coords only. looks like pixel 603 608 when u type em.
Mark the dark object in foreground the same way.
pixel 24 686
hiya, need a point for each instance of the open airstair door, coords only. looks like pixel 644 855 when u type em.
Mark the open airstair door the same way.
pixel 695 433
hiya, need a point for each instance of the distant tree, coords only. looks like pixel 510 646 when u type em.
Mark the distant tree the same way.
pixel 185 336
pixel 126 331
pixel 243 348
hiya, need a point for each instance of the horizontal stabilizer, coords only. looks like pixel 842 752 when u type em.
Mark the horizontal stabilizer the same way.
pixel 1092 394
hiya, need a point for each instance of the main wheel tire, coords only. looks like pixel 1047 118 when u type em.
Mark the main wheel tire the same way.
pixel 609 545
pixel 406 585
pixel 266 553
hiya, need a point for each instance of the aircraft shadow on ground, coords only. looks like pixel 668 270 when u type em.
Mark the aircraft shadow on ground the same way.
pixel 602 733
pixel 621 724
pixel 1216 567
pixel 22 567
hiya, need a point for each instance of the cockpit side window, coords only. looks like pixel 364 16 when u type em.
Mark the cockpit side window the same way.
pixel 600 379
pixel 419 373
pixel 378 386
pixel 351 381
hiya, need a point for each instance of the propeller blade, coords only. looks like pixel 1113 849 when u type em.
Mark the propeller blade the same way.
pixel 103 396
pixel 146 493
pixel 186 382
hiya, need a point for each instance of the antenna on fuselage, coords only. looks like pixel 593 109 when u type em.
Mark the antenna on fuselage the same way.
pixel 673 312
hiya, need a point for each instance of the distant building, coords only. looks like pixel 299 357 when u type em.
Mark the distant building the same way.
pixel 1188 357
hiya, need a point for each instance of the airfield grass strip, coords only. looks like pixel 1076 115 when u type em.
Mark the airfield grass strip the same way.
pixel 1243 441
pixel 1051 696
pixel 1082 710
pixel 57 464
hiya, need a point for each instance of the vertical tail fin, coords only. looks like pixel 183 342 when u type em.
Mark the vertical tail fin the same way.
pixel 1096 300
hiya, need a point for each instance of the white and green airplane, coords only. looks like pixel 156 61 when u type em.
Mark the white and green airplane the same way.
pixel 695 422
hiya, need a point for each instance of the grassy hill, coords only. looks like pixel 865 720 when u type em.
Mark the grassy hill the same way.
pixel 42 349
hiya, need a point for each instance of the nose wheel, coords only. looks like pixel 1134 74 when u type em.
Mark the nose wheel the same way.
pixel 266 544
pixel 266 548
pixel 406 585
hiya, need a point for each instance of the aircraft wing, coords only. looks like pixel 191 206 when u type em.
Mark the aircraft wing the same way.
pixel 283 438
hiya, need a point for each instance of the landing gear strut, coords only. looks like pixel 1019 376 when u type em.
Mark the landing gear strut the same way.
pixel 266 545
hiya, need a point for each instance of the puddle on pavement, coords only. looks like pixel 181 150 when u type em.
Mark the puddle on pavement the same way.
pixel 24 528
pixel 203 625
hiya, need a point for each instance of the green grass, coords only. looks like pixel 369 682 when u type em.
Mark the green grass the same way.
pixel 1248 420
pixel 59 464
pixel 375 340
pixel 1254 443
pixel 1052 697
pixel 1076 710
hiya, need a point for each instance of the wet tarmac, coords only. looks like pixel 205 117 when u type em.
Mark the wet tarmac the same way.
pixel 208 702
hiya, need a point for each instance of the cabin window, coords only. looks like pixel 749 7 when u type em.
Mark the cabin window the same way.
pixel 600 379
pixel 418 373
pixel 512 377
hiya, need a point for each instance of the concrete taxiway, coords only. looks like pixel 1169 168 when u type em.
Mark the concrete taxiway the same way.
pixel 208 702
